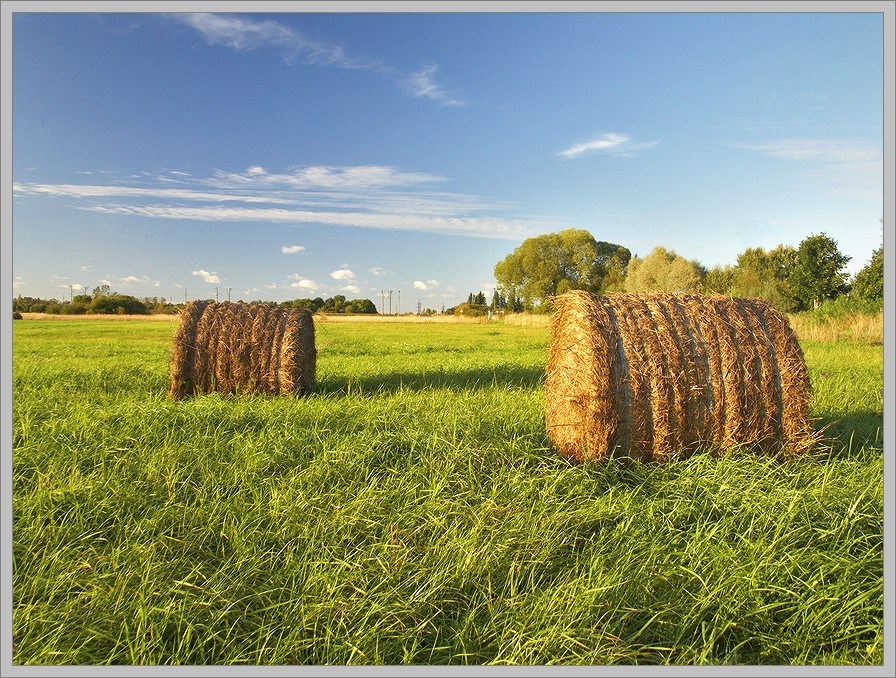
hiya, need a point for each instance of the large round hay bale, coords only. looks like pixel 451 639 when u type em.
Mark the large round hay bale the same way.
pixel 16 315
pixel 242 348
pixel 660 376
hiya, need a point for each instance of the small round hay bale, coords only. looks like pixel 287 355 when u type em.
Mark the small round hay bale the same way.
pixel 660 376
pixel 242 348
pixel 16 315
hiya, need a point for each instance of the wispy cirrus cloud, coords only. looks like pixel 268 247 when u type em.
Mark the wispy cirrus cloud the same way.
pixel 423 84
pixel 363 196
pixel 245 34
pixel 852 167
pixel 610 143
pixel 292 249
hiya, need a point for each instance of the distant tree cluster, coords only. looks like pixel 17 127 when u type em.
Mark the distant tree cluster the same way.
pixel 790 279
pixel 106 302
pixel 336 304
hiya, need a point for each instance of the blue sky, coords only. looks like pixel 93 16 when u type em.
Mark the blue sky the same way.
pixel 313 154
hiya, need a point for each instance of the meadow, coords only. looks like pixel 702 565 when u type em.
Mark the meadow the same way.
pixel 412 511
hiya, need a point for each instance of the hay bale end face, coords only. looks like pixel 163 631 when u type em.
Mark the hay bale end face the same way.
pixel 242 348
pixel 660 376
pixel 16 315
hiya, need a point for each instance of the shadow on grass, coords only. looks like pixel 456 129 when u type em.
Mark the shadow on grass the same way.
pixel 851 431
pixel 519 377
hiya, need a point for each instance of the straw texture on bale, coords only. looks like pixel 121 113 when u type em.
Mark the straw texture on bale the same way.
pixel 242 348
pixel 661 376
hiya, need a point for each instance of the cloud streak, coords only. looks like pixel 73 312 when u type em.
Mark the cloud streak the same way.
pixel 843 166
pixel 364 196
pixel 423 84
pixel 244 34
pixel 610 143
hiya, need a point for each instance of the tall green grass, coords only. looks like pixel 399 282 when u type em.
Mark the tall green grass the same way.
pixel 411 511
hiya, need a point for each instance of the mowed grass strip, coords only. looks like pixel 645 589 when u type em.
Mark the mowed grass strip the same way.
pixel 412 511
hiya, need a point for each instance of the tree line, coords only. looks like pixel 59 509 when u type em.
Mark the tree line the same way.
pixel 789 278
pixel 104 301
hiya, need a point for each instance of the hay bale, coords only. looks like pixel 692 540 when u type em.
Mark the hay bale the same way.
pixel 16 315
pixel 242 348
pixel 660 376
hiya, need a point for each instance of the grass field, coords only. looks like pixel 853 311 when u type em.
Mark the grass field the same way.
pixel 412 511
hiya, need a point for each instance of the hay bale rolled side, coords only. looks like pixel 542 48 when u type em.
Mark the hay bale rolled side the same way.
pixel 660 376
pixel 242 348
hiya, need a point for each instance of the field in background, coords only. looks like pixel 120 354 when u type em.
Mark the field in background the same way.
pixel 412 511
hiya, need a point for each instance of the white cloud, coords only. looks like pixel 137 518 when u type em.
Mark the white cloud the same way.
pixel 206 276
pixel 423 84
pixel 842 166
pixel 615 144
pixel 292 249
pixel 365 196
pixel 305 284
pixel 255 170
pixel 93 191
pixel 343 274
pixel 488 227
pixel 324 176
pixel 353 289
pixel 420 285
pixel 243 34
pixel 270 286
pixel 85 269
pixel 378 271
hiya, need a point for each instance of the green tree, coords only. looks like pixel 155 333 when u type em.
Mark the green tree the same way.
pixel 361 306
pixel 117 303
pixel 761 274
pixel 719 279
pixel 551 264
pixel 869 282
pixel 818 272
pixel 663 271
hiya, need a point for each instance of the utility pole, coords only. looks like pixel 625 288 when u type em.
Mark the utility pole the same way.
pixel 185 295
pixel 70 294
pixel 390 302
pixel 398 312
pixel 382 302
pixel 216 295
pixel 228 293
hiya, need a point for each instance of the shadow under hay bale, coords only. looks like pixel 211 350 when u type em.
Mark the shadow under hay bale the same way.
pixel 660 376
pixel 242 348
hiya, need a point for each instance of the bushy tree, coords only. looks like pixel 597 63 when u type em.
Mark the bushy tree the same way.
pixel 117 303
pixel 818 271
pixel 719 279
pixel 869 282
pixel 762 274
pixel 663 271
pixel 551 264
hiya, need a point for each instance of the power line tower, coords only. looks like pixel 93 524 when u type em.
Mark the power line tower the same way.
pixel 398 312
pixel 228 293
pixel 216 295
pixel 382 302
pixel 390 302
